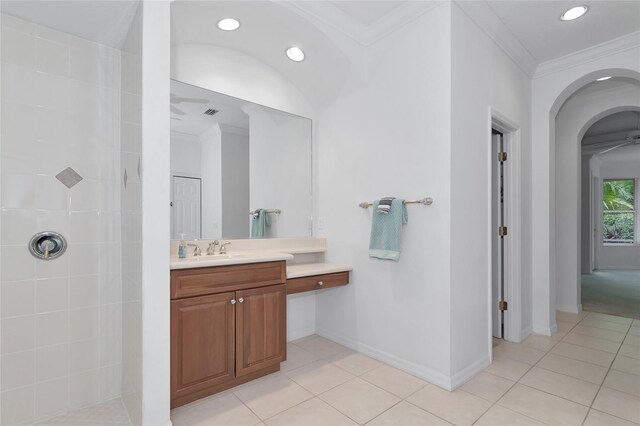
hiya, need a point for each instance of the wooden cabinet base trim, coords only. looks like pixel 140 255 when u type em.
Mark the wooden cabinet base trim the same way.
pixel 177 402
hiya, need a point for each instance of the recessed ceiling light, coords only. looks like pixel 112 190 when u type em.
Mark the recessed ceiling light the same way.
pixel 228 24
pixel 574 13
pixel 603 78
pixel 295 54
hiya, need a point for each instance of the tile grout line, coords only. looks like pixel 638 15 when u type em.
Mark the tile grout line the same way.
pixel 607 375
pixel 530 387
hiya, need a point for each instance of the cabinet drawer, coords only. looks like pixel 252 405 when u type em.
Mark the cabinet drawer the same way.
pixel 302 284
pixel 218 279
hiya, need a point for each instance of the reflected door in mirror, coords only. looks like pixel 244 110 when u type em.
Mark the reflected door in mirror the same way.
pixel 186 208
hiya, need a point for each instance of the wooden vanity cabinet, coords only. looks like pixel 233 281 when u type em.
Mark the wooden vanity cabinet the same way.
pixel 231 336
pixel 261 332
pixel 202 343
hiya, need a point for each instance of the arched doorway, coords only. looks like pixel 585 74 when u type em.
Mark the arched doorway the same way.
pixel 550 92
pixel 571 185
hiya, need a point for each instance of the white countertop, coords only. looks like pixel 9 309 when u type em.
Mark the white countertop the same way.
pixel 231 258
pixel 310 269
pixel 256 256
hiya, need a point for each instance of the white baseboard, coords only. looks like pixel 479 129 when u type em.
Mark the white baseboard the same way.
pixel 573 309
pixel 431 376
pixel 526 333
pixel 299 333
pixel 544 330
pixel 468 373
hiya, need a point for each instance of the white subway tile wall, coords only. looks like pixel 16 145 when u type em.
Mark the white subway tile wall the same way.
pixel 61 320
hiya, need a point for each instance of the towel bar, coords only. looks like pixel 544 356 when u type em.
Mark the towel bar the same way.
pixel 424 201
pixel 276 211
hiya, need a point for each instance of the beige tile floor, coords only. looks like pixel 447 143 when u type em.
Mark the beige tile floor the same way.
pixel 588 373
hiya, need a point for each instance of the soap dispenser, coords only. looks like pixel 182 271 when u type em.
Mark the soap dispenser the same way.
pixel 182 248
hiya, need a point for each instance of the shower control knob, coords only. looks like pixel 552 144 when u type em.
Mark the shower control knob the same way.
pixel 47 245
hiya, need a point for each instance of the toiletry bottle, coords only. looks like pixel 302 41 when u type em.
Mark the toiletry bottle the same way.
pixel 182 248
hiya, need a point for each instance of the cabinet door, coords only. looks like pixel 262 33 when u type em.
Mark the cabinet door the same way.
pixel 260 328
pixel 202 342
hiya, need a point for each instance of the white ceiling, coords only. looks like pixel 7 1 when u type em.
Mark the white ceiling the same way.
pixel 537 24
pixel 615 123
pixel 367 12
pixel 101 21
pixel 267 30
pixel 195 122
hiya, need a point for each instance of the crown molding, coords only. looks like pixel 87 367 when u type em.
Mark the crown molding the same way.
pixel 483 15
pixel 226 128
pixel 590 54
pixel 363 34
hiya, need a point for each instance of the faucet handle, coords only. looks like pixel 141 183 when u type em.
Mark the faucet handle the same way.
pixel 223 247
pixel 212 247
pixel 197 251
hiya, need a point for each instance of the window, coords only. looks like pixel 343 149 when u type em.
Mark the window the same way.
pixel 620 211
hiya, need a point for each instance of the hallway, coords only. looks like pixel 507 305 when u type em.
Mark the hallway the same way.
pixel 615 292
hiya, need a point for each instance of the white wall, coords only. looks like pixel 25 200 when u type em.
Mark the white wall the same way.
pixel 60 319
pixel 186 155
pixel 156 59
pixel 586 239
pixel 484 81
pixel 280 170
pixel 572 121
pixel 210 165
pixel 552 85
pixel 387 134
pixel 235 184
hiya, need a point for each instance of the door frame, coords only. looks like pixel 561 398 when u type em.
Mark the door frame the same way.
pixel 513 220
pixel 185 176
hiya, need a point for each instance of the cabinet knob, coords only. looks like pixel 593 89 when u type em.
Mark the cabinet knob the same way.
pixel 233 301
pixel 320 283
pixel 241 300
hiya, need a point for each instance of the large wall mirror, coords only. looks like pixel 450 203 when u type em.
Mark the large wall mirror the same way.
pixel 238 169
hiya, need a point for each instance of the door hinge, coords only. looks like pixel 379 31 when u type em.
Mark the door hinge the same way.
pixel 502 305
pixel 502 156
pixel 502 231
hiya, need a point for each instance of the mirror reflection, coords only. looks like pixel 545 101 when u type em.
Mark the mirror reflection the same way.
pixel 238 169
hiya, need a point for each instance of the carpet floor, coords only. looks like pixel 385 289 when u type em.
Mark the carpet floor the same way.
pixel 615 292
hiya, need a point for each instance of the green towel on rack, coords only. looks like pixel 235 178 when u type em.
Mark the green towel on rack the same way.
pixel 259 223
pixel 386 230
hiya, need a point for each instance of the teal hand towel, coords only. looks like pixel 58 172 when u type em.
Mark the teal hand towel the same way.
pixel 259 223
pixel 386 230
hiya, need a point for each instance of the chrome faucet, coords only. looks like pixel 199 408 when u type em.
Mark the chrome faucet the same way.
pixel 223 247
pixel 211 250
pixel 197 251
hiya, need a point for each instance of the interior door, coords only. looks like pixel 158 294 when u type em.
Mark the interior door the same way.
pixel 260 328
pixel 186 209
pixel 497 241
pixel 202 342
